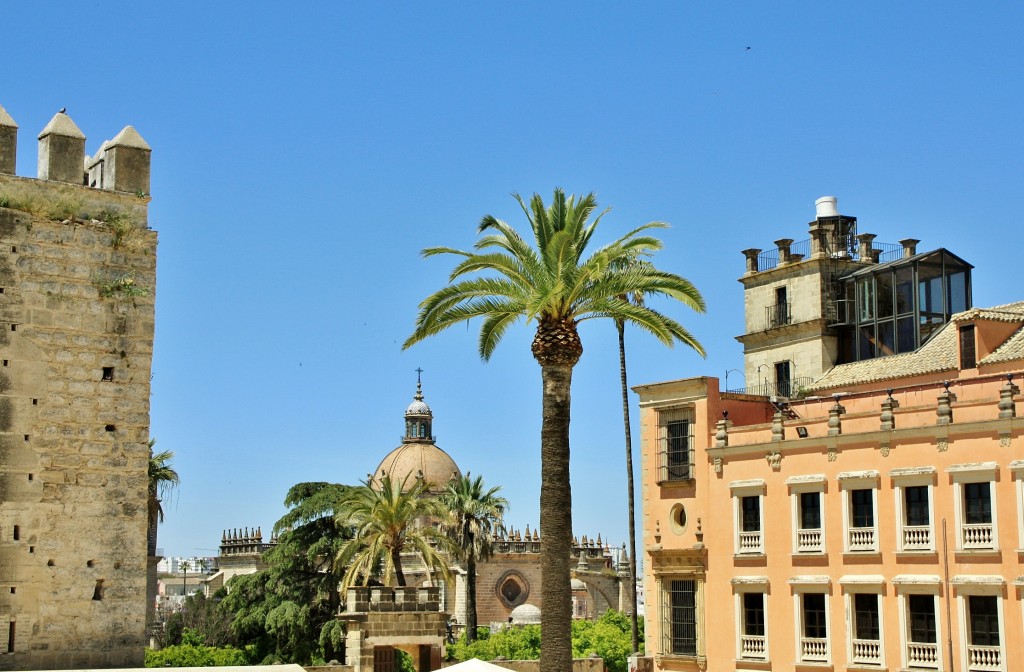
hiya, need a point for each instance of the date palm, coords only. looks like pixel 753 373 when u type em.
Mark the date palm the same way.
pixel 163 479
pixel 557 284
pixel 389 518
pixel 474 514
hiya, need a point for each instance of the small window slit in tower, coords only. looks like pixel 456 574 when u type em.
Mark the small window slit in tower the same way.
pixel 35 402
pixel 50 563
pixel 17 532
pixel 30 477
pixel 14 327
pixel 108 373
pixel 110 428
pixel 26 437
pixel 97 592
pixel 10 638
pixel 13 590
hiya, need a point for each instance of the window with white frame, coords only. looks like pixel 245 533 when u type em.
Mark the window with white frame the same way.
pixel 679 616
pixel 980 603
pixel 1017 468
pixel 811 596
pixel 914 505
pixel 864 618
pixel 675 454
pixel 920 621
pixel 807 496
pixel 748 500
pixel 751 617
pixel 974 505
pixel 860 504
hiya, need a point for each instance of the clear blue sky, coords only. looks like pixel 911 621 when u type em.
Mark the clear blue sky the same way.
pixel 304 153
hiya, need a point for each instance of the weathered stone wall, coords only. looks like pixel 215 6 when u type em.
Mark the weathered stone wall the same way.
pixel 77 281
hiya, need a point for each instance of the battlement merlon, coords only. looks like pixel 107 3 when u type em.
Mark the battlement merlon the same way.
pixel 119 171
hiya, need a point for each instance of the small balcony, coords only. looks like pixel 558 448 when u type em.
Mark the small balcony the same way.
pixel 917 538
pixel 867 652
pixel 813 650
pixel 922 655
pixel 977 536
pixel 753 647
pixel 984 659
pixel 810 541
pixel 779 315
pixel 862 539
pixel 750 543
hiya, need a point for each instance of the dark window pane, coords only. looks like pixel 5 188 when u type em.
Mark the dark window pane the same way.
pixel 810 511
pixel 751 514
pixel 968 352
pixel 682 617
pixel 782 379
pixel 922 618
pixel 753 614
pixel 906 334
pixel 984 620
pixel 916 498
pixel 883 289
pixel 866 342
pixel 957 283
pixel 886 338
pixel 865 608
pixel 977 503
pixel 814 616
pixel 678 449
pixel 904 291
pixel 862 508
pixel 865 300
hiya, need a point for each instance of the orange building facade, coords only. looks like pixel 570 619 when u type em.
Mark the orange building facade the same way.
pixel 868 515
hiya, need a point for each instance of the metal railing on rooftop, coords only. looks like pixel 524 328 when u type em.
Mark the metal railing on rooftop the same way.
pixel 769 259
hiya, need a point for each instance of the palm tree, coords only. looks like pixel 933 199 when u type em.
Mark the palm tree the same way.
pixel 163 479
pixel 474 515
pixel 555 284
pixel 620 327
pixel 387 519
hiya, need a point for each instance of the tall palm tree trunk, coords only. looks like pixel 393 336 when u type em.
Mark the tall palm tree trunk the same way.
pixel 555 521
pixel 396 560
pixel 635 628
pixel 471 595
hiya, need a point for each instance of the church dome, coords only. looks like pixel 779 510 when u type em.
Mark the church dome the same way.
pixel 410 460
pixel 525 614
pixel 419 455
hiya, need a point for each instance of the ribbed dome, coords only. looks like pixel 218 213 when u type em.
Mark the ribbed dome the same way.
pixel 418 407
pixel 411 459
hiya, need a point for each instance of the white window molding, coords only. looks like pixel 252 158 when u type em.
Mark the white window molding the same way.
pixel 865 641
pixel 813 623
pixel 1017 470
pixel 913 536
pixel 978 650
pixel 807 539
pixel 751 638
pixel 747 496
pixel 859 537
pixel 976 521
pixel 916 651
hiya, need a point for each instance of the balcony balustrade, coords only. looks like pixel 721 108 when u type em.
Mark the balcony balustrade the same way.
pixel 984 659
pixel 750 542
pixel 977 536
pixel 867 652
pixel 917 538
pixel 810 541
pixel 922 655
pixel 753 647
pixel 862 539
pixel 813 650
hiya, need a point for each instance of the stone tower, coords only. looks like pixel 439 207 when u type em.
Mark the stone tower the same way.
pixel 77 279
pixel 839 297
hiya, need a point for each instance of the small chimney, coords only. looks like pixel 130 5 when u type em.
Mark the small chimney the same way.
pixel 909 247
pixel 826 206
pixel 751 255
pixel 864 248
pixel 783 246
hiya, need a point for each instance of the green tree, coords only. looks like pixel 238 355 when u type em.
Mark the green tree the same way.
pixel 388 519
pixel 475 513
pixel 286 613
pixel 163 479
pixel 204 619
pixel 555 283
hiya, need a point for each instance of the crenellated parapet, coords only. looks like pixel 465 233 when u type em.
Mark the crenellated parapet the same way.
pixel 364 599
pixel 121 163
pixel 243 541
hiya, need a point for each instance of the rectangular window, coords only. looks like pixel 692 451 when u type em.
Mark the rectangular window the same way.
pixel 678 450
pixel 813 628
pixel 916 498
pixel 921 620
pixel 968 352
pixel 977 503
pixel 751 514
pixel 808 521
pixel 753 614
pixel 783 380
pixel 860 489
pixel 865 616
pixel 682 625
pixel 810 510
pixel 917 524
pixel 984 619
pixel 862 512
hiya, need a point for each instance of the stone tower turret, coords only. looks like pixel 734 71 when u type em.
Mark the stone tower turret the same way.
pixel 62 151
pixel 8 143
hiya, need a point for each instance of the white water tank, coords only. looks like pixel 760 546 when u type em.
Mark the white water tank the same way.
pixel 826 206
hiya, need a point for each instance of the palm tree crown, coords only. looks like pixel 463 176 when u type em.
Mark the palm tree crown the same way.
pixel 474 514
pixel 389 518
pixel 556 283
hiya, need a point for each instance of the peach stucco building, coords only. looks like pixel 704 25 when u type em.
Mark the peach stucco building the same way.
pixel 867 514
